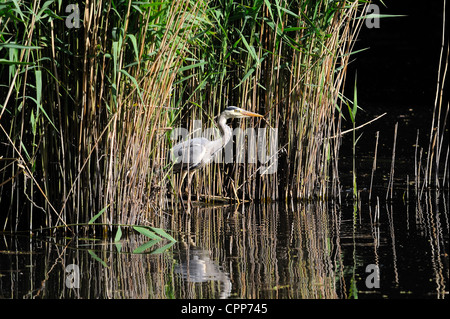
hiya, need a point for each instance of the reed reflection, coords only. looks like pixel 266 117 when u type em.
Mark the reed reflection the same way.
pixel 270 251
pixel 293 250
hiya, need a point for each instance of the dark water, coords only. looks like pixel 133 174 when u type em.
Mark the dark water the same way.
pixel 308 250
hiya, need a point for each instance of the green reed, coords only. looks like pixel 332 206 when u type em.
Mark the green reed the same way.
pixel 86 112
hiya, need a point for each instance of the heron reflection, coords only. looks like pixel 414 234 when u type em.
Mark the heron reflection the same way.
pixel 196 266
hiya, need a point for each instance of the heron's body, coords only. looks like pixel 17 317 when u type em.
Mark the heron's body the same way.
pixel 190 155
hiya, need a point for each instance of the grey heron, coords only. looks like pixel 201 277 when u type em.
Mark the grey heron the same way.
pixel 193 154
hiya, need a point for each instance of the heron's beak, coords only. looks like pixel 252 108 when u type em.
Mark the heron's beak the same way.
pixel 247 113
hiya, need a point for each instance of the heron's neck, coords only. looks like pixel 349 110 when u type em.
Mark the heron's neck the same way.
pixel 226 133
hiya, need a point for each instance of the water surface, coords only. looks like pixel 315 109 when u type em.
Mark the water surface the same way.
pixel 277 250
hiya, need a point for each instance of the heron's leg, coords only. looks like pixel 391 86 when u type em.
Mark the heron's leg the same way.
pixel 183 176
pixel 197 188
pixel 191 174
pixel 180 185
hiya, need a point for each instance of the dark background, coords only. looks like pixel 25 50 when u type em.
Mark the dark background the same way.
pixel 399 68
pixel 396 74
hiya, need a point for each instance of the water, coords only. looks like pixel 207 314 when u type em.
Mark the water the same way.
pixel 303 250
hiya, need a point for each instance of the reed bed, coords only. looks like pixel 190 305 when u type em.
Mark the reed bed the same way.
pixel 306 47
pixel 89 102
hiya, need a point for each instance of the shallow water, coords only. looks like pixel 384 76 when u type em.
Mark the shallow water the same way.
pixel 303 250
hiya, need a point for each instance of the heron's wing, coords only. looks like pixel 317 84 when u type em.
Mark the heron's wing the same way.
pixel 189 154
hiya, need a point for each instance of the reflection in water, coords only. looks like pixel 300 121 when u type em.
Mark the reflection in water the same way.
pixel 196 266
pixel 302 250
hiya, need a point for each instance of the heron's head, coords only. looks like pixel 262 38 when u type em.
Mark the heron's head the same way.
pixel 237 112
